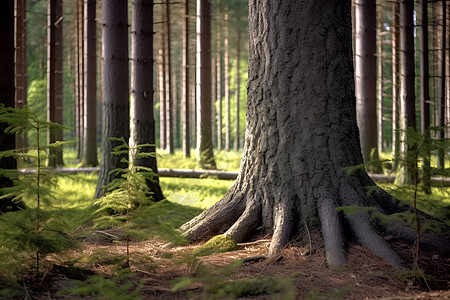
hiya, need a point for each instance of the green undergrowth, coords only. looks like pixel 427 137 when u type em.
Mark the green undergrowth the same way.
pixel 217 283
pixel 225 160
pixel 437 203
pixel 195 192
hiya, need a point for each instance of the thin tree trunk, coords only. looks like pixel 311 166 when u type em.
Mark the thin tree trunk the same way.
pixel 185 84
pixel 205 152
pixel 226 63
pixel 81 83
pixel 237 86
pixel 380 79
pixel 90 88
pixel 162 97
pixel 54 78
pixel 219 78
pixel 442 91
pixel 407 93
pixel 142 122
pixel 213 99
pixel 424 91
pixel 395 82
pixel 20 64
pixel 115 88
pixel 168 69
pixel 365 78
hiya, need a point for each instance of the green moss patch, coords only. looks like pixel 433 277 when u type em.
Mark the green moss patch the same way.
pixel 218 244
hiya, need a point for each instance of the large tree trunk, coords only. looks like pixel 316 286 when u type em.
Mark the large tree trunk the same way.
pixel 142 123
pixel 366 77
pixel 205 151
pixel 301 135
pixel 90 88
pixel 55 78
pixel 115 88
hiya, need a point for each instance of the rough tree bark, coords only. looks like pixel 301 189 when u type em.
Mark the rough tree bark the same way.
pixel 115 88
pixel 142 122
pixel 301 133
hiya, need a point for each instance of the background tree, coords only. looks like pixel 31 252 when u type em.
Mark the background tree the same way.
pixel 407 113
pixel 168 82
pixel 142 122
pixel 90 88
pixel 219 74
pixel 204 134
pixel 79 79
pixel 20 62
pixel 226 66
pixel 442 84
pixel 115 88
pixel 301 136
pixel 395 81
pixel 424 89
pixel 185 81
pixel 55 78
pixel 366 77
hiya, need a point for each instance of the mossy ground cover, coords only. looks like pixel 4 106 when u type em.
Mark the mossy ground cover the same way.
pixel 100 252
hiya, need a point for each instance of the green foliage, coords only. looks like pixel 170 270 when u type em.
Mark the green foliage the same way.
pixel 129 190
pixel 217 285
pixel 123 286
pixel 33 229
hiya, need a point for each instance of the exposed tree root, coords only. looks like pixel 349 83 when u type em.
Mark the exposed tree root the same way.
pixel 331 232
pixel 239 213
pixel 247 222
pixel 283 224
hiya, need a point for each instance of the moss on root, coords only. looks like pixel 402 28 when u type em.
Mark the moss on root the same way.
pixel 218 244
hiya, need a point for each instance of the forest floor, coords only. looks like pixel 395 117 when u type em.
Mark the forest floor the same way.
pixel 291 275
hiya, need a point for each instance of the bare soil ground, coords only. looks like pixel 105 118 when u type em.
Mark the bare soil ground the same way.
pixel 365 277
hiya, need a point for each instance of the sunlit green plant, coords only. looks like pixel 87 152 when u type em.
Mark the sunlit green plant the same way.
pixel 129 189
pixel 34 229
